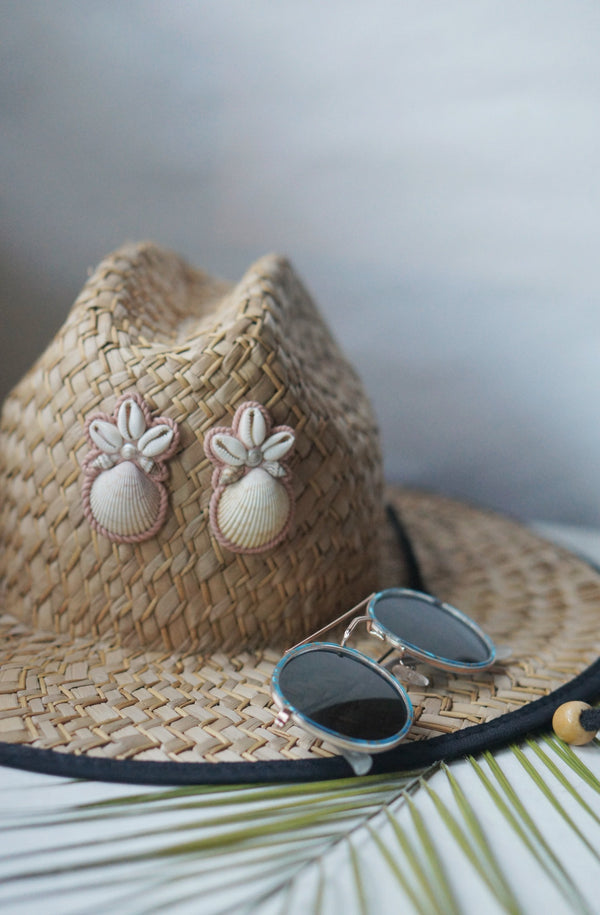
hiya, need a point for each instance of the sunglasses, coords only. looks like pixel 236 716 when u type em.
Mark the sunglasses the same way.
pixel 357 704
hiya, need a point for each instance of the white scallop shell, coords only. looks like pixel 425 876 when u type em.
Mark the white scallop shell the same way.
pixel 253 511
pixel 124 501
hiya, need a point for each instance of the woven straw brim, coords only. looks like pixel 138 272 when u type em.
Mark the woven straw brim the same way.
pixel 82 696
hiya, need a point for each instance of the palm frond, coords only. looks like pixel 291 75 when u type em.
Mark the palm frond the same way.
pixel 548 792
pixel 465 827
pixel 433 841
pixel 400 873
pixel 516 812
pixel 355 868
pixel 563 780
pixel 575 763
pixel 256 835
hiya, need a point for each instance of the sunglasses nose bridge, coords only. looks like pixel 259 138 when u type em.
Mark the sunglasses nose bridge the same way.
pixel 372 629
pixel 371 625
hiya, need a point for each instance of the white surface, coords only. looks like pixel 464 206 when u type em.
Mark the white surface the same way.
pixel 56 855
pixel 432 170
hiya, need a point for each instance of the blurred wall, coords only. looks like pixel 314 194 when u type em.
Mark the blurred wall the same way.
pixel 430 168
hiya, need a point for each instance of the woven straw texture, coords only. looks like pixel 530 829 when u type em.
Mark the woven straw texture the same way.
pixel 89 696
pixel 194 349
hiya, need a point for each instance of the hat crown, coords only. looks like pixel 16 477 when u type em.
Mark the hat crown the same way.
pixel 162 354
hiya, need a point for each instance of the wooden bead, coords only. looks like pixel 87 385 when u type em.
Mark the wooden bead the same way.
pixel 566 724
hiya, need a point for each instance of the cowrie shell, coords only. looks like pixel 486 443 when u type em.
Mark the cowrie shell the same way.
pixel 228 449
pixel 131 420
pixel 252 429
pixel 105 436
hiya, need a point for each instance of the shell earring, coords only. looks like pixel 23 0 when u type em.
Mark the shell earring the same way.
pixel 252 504
pixel 124 496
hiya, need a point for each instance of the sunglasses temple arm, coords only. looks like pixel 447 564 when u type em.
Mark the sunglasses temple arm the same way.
pixel 340 619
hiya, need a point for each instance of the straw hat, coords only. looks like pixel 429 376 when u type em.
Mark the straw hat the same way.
pixel 190 482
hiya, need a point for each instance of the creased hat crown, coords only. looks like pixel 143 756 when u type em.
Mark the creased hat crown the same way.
pixel 189 465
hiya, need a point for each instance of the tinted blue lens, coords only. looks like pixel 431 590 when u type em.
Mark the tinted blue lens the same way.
pixel 338 691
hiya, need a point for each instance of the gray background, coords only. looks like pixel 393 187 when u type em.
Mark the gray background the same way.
pixel 431 168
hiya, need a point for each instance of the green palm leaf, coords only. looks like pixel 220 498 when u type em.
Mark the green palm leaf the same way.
pixel 466 829
pixel 335 846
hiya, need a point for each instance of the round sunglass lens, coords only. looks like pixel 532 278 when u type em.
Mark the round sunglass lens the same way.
pixel 336 690
pixel 432 628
